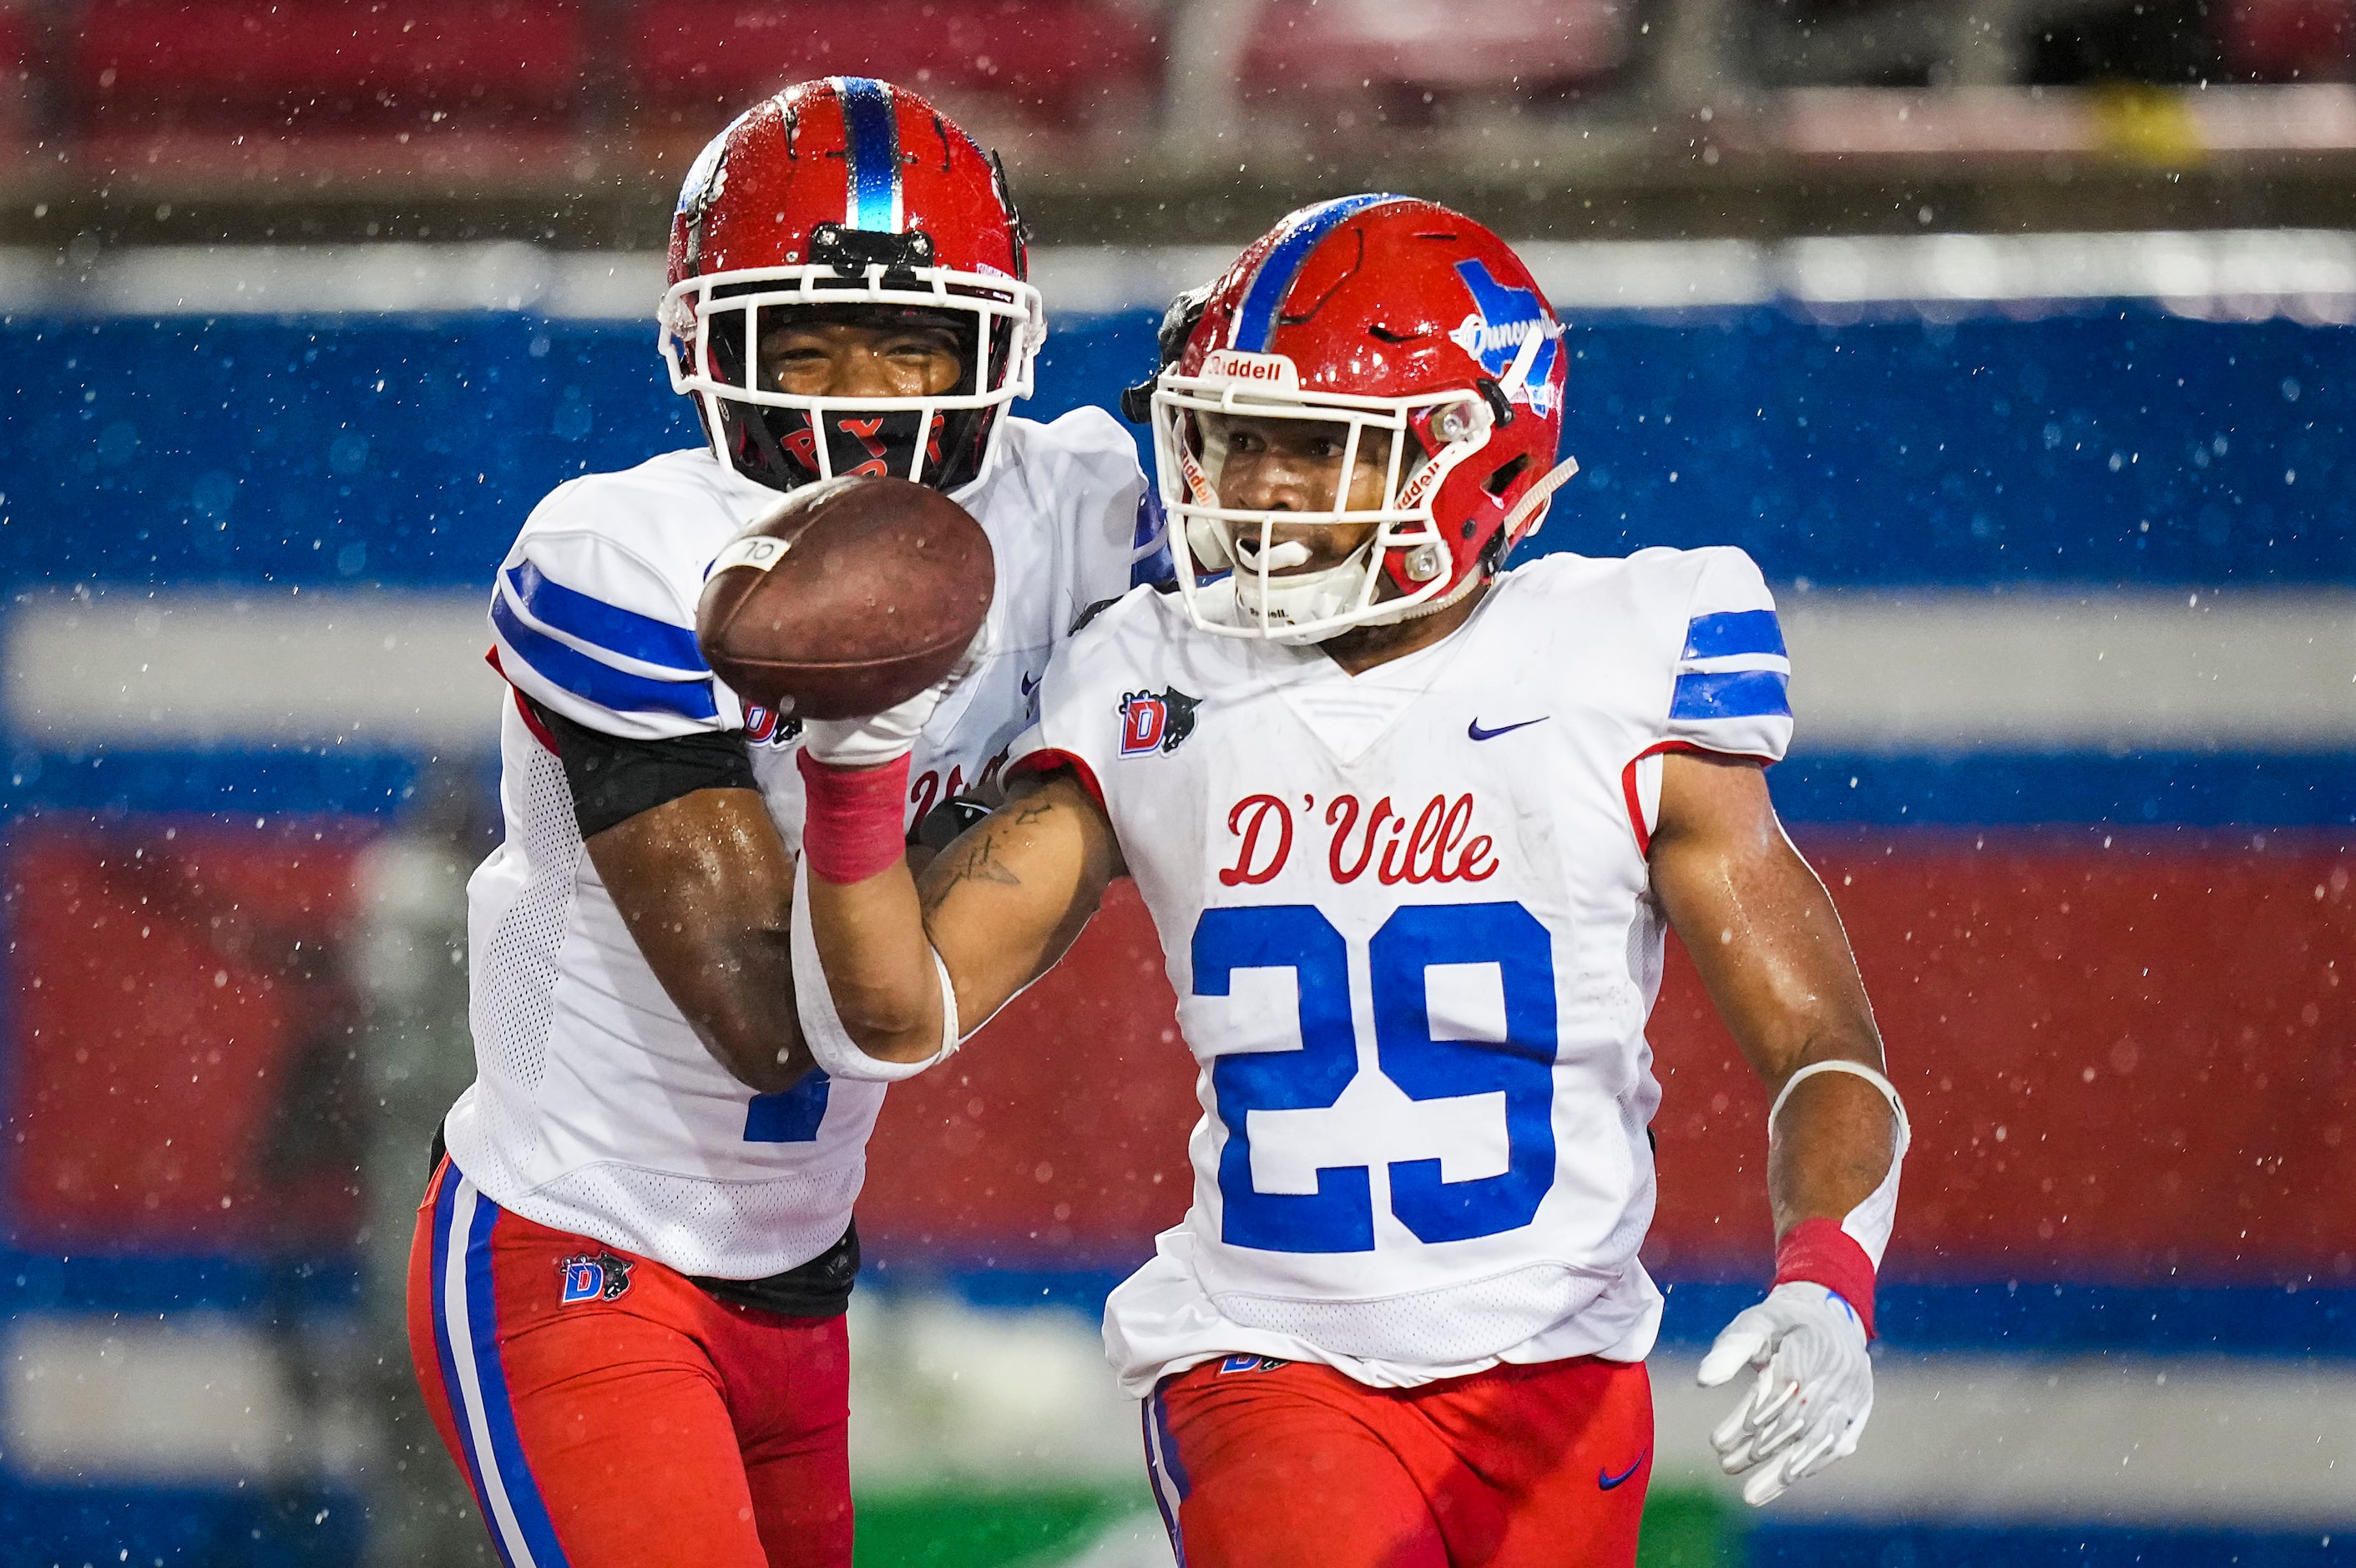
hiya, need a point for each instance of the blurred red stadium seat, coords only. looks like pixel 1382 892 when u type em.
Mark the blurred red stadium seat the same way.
pixel 2290 40
pixel 294 64
pixel 181 1071
pixel 1345 45
pixel 1051 61
pixel 20 53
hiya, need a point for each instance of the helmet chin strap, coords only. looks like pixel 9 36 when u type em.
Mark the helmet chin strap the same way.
pixel 1533 500
pixel 1554 479
pixel 1510 387
pixel 1303 598
pixel 1432 607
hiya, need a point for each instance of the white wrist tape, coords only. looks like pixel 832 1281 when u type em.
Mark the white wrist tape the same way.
pixel 1869 1222
pixel 829 1042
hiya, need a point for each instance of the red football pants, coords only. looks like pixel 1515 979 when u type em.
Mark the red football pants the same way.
pixel 1294 1466
pixel 609 1414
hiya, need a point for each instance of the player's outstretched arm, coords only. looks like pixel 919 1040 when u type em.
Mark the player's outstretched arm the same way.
pixel 1769 948
pixel 995 912
pixel 706 888
pixel 1771 953
pixel 1009 898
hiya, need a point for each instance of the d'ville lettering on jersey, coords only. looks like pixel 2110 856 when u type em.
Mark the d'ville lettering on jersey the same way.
pixel 1437 845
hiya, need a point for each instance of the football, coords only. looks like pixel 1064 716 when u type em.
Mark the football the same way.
pixel 847 597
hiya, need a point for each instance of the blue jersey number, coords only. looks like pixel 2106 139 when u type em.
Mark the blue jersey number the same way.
pixel 790 1115
pixel 1339 1216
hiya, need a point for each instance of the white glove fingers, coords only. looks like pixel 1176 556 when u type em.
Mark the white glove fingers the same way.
pixel 1808 1404
pixel 1847 1445
pixel 1731 1438
pixel 1786 1389
pixel 1809 1458
pixel 1765 1486
pixel 1742 1343
pixel 1775 1435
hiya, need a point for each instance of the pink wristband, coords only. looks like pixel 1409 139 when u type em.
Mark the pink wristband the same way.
pixel 1820 1252
pixel 854 822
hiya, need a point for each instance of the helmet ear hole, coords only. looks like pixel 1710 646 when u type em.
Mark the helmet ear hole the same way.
pixel 1498 483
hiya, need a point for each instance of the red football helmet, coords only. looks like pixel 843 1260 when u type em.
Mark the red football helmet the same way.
pixel 1384 315
pixel 857 199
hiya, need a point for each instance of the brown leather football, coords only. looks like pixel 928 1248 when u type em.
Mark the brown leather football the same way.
pixel 847 597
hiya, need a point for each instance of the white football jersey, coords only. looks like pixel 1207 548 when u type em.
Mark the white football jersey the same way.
pixel 594 1108
pixel 1405 917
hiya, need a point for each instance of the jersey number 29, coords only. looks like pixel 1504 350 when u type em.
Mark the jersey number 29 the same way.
pixel 1339 1216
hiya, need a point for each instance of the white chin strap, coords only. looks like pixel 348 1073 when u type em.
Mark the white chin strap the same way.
pixel 1302 598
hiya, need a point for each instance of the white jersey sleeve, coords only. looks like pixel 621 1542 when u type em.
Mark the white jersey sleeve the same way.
pixel 1071 696
pixel 1732 673
pixel 1090 461
pixel 594 626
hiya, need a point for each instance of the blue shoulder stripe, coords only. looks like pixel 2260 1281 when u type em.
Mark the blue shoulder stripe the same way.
pixel 609 627
pixel 1149 526
pixel 600 684
pixel 1151 561
pixel 1731 694
pixel 1733 631
pixel 1256 317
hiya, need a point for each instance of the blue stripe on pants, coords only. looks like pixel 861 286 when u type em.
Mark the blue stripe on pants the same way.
pixel 1163 1472
pixel 507 1448
pixel 444 1204
pixel 468 1337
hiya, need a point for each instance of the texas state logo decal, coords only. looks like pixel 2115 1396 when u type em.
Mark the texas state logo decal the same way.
pixel 1501 320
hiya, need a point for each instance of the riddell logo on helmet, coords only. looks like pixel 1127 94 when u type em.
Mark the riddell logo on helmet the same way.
pixel 1262 370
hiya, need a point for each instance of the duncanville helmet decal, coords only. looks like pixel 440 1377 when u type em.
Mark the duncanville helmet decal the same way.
pixel 1502 319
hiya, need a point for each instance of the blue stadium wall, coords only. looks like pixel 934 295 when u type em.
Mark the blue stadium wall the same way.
pixel 2116 448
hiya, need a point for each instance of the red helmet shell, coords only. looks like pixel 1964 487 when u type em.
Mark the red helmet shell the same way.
pixel 849 150
pixel 1392 297
pixel 838 192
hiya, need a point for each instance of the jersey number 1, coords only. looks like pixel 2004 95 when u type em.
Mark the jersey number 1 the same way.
pixel 789 1115
pixel 1339 1216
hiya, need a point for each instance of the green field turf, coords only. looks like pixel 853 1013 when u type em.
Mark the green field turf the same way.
pixel 1038 1526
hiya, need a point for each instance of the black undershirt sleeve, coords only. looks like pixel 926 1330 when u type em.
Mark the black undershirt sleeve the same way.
pixel 614 779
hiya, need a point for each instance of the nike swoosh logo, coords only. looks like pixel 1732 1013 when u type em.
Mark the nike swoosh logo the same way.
pixel 1475 732
pixel 1608 1482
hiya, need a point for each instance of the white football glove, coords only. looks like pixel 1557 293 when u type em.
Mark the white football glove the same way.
pixel 892 734
pixel 1815 1387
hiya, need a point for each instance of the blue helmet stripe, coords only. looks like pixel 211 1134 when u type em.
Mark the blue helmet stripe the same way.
pixel 873 137
pixel 1255 322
